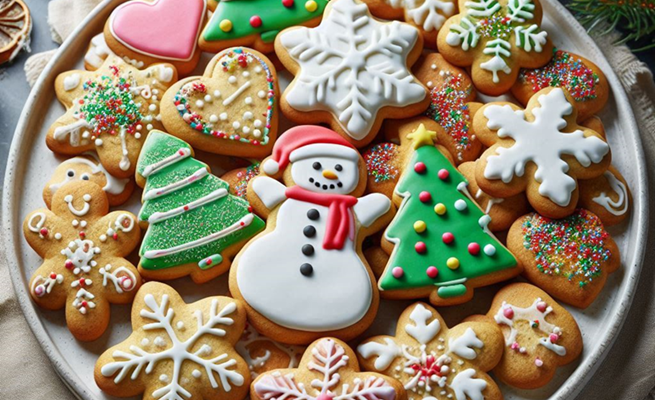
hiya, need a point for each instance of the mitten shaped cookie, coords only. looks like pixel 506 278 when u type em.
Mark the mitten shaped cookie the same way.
pixel 541 151
pixel 110 110
pixel 328 370
pixel 433 361
pixel 177 350
pixel 83 249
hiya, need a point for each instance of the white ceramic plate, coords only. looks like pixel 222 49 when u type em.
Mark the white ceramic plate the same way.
pixel 30 164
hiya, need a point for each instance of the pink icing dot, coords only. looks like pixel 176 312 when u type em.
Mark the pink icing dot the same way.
pixel 474 248
pixel 553 337
pixel 420 167
pixel 287 3
pixel 515 346
pixel 420 247
pixel 397 272
pixel 538 362
pixel 255 21
pixel 448 237
pixel 443 174
pixel 508 313
pixel 39 291
pixel 541 306
pixel 432 272
pixel 425 196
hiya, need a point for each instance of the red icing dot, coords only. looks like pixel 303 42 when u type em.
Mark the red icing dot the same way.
pixel 69 264
pixel 448 237
pixel 115 236
pixel 82 234
pixel 425 196
pixel 84 303
pixel 181 152
pixel 255 21
pixel 397 272
pixel 44 232
pixel 432 272
pixel 186 208
pixel 443 174
pixel 553 337
pixel 508 313
pixel 420 247
pixel 82 282
pixel 53 275
pixel 474 248
pixel 287 3
pixel 541 306
pixel 420 167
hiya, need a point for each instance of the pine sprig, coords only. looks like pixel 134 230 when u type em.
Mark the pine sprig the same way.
pixel 634 18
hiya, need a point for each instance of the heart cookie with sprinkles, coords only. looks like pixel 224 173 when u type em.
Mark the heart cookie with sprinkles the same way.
pixel 231 109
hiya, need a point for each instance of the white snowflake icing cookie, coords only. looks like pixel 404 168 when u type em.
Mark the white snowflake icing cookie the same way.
pixel 177 350
pixel 539 335
pixel 352 71
pixel 540 150
pixel 328 370
pixel 496 38
pixel 263 354
pixel 433 361
pixel 83 249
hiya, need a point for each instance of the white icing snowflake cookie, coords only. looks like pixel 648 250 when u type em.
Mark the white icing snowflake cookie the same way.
pixel 540 150
pixel 177 350
pixel 352 71
pixel 328 370
pixel 83 249
pixel 434 362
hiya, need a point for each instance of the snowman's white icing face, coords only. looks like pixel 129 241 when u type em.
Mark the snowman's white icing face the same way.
pixel 326 174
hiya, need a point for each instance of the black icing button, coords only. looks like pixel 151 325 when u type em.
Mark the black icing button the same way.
pixel 306 269
pixel 313 214
pixel 308 249
pixel 309 231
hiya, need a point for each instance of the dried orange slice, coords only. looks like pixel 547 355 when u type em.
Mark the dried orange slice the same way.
pixel 15 28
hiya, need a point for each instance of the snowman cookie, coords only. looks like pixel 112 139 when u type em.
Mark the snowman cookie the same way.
pixel 263 354
pixel 110 110
pixel 87 167
pixel 141 32
pixel 439 241
pixel 607 196
pixel 316 222
pixel 541 151
pixel 352 71
pixel 83 249
pixel 176 350
pixel 569 258
pixel 433 361
pixel 328 370
pixel 231 110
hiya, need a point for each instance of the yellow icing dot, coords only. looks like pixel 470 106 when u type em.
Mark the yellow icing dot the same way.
pixel 420 226
pixel 452 263
pixel 225 25
pixel 311 6
pixel 440 209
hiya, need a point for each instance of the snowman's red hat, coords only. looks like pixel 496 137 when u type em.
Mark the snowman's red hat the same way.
pixel 306 141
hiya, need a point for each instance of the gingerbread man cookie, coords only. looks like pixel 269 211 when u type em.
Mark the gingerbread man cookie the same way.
pixel 231 110
pixel 177 350
pixel 328 370
pixel 83 249
pixel 352 71
pixel 433 361
pixel 496 38
pixel 541 151
pixel 110 110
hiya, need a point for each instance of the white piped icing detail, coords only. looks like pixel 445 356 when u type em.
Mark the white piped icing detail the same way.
pixel 170 160
pixel 618 207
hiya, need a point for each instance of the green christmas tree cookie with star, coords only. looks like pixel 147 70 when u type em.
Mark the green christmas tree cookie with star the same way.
pixel 194 225
pixel 438 242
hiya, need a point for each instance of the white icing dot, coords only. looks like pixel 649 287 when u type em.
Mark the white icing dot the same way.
pixel 248 100
pixel 460 205
pixel 152 107
pixel 159 341
pixel 245 74
pixel 149 127
pixel 137 136
pixel 85 135
pixel 247 115
pixel 103 238
pixel 261 94
pixel 86 197
pixel 217 93
pixel 489 250
pixel 433 66
pixel 145 342
pixel 213 118
pixel 196 374
pixel 155 91
pixel 257 133
pixel 223 116
pixel 83 224
pixel 245 130
pixel 257 123
pixel 180 325
pixel 200 103
pixel 75 222
pixel 139 127
pixel 208 98
pixel 236 125
pixel 58 236
pixel 232 79
pixel 98 142
pixel 258 69
pixel 163 378
pixel 148 118
pixel 430 84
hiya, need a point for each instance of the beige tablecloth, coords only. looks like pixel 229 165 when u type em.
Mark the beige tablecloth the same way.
pixel 628 372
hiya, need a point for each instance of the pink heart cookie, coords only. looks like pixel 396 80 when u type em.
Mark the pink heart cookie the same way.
pixel 146 27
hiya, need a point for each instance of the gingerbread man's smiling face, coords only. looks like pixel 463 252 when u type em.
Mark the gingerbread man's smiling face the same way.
pixel 80 200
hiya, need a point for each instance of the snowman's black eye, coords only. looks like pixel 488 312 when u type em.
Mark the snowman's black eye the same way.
pixel 70 173
pixel 85 177
pixel 316 165
pixel 338 167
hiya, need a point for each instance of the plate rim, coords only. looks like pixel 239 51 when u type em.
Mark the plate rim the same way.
pixel 574 383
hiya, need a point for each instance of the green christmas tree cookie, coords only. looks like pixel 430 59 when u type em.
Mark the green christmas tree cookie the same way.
pixel 256 23
pixel 194 224
pixel 439 242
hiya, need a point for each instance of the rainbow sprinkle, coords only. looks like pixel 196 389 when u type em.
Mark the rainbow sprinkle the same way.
pixel 244 177
pixel 497 26
pixel 564 70
pixel 450 110
pixel 573 247
pixel 379 162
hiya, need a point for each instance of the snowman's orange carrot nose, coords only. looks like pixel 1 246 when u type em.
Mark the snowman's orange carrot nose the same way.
pixel 329 174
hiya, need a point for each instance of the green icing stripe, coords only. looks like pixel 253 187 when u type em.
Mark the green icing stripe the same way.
pixel 446 292
pixel 210 261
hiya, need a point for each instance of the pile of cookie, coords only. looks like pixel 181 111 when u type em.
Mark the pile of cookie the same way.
pixel 398 194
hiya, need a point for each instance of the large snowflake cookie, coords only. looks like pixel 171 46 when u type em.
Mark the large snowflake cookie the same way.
pixel 496 38
pixel 177 350
pixel 352 71
pixel 195 225
pixel 540 150
pixel 328 370
pixel 231 110
pixel 305 277
pixel 569 258
pixel 539 335
pixel 434 362
pixel 83 250
pixel 110 110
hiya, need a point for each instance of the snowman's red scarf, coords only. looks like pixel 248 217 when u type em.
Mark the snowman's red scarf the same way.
pixel 339 215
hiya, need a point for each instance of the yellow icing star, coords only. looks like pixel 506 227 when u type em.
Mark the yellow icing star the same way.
pixel 422 137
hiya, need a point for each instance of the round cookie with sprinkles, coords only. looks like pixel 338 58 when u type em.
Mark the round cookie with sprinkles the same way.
pixel 584 81
pixel 569 258
pixel 452 106
pixel 231 110
pixel 439 242
pixel 238 179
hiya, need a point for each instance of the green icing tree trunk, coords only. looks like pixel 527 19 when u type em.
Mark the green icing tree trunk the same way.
pixel 204 209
